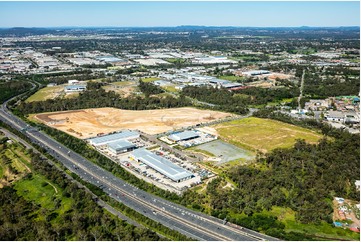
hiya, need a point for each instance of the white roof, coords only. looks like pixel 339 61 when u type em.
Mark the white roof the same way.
pixel 183 135
pixel 161 164
pixel 113 137
pixel 120 145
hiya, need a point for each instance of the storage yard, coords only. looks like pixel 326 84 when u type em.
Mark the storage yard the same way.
pixel 225 152
pixel 88 123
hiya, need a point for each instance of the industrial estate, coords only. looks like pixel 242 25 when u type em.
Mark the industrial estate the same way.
pixel 180 133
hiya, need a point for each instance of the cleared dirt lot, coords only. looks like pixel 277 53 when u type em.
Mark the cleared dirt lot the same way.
pixel 89 122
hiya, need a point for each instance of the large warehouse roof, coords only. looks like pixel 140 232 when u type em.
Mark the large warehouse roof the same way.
pixel 113 137
pixel 183 135
pixel 120 145
pixel 161 164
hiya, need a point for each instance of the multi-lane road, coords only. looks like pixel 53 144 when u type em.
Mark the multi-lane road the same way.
pixel 188 222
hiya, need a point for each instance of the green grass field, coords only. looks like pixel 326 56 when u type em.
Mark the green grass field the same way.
pixel 232 78
pixel 45 93
pixel 323 230
pixel 14 159
pixel 150 79
pixel 44 193
pixel 123 83
pixel 264 134
pixel 195 149
pixel 170 88
pixel 174 60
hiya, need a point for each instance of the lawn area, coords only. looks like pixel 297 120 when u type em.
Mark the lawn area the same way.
pixel 236 162
pixel 204 152
pixel 42 192
pixel 323 230
pixel 170 88
pixel 232 78
pixel 14 164
pixel 71 95
pixel 123 83
pixel 264 134
pixel 283 101
pixel 150 79
pixel 46 93
pixel 175 60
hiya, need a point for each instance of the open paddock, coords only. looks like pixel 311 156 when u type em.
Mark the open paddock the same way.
pixel 264 134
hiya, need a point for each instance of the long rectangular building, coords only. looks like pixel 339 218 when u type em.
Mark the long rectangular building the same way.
pixel 161 164
pixel 126 134
pixel 185 135
pixel 120 146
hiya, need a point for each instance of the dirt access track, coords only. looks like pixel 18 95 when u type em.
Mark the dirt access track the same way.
pixel 88 123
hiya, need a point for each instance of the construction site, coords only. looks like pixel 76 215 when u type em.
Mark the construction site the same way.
pixel 88 123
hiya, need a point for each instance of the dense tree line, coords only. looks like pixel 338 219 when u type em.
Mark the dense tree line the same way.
pixel 98 98
pixel 149 88
pixel 222 98
pixel 58 179
pixel 304 178
pixel 234 101
pixel 12 88
pixel 85 220
pixel 259 96
pixel 317 87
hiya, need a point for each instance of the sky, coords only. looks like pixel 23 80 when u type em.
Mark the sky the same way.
pixel 150 14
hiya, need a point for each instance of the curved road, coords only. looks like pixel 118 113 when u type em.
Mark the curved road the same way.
pixel 188 222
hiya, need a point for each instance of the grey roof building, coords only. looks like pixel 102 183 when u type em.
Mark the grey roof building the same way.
pixel 232 85
pixel 113 137
pixel 161 165
pixel 335 116
pixel 120 146
pixel 185 135
pixel 75 88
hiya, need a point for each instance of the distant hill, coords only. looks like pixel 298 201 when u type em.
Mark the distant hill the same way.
pixel 21 31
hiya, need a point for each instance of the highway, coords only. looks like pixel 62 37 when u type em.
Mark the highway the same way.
pixel 188 222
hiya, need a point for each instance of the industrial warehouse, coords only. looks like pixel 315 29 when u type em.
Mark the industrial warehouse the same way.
pixel 161 164
pixel 188 138
pixel 103 140
pixel 120 146
pixel 149 160
pixel 185 135
pixel 75 88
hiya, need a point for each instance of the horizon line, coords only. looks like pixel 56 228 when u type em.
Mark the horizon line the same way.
pixel 177 26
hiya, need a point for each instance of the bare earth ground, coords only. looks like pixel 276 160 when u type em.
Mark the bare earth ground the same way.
pixel 89 122
pixel 125 88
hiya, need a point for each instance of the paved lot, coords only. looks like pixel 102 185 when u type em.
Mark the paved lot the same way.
pixel 226 152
